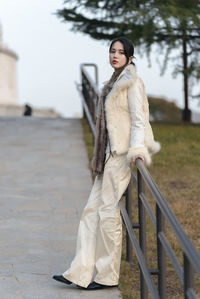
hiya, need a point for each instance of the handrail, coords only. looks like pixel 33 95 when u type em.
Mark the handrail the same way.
pixel 185 242
pixel 95 84
pixel 191 259
pixel 89 93
pixel 87 112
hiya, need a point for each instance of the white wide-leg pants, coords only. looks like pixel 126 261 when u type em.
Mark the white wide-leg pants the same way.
pixel 100 230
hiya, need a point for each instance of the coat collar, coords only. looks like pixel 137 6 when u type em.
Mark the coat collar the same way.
pixel 128 74
pixel 125 80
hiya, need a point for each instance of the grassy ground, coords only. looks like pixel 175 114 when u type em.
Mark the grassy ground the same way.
pixel 176 171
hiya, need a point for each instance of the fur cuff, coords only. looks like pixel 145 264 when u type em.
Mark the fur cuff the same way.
pixel 135 151
pixel 154 148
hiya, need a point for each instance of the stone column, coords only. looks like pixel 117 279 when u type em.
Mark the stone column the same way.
pixel 8 76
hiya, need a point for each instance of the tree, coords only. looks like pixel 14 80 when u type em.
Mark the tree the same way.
pixel 172 25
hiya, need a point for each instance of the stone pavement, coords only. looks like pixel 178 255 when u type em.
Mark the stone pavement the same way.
pixel 44 185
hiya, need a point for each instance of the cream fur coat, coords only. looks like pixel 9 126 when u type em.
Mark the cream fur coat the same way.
pixel 127 117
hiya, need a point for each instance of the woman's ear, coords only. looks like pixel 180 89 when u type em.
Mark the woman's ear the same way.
pixel 130 59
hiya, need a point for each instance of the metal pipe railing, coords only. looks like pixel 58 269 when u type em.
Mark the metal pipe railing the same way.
pixel 185 242
pixel 191 259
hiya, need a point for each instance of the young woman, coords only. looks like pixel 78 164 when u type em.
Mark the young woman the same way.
pixel 123 135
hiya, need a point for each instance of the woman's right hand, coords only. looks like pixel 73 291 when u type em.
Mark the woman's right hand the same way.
pixel 136 157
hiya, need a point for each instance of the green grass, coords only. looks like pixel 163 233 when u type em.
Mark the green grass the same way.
pixel 176 171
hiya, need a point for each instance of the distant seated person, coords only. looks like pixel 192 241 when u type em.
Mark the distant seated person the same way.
pixel 27 110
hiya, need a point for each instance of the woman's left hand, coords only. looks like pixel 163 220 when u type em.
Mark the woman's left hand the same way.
pixel 136 157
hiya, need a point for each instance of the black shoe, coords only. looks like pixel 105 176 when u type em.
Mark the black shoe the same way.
pixel 61 279
pixel 97 286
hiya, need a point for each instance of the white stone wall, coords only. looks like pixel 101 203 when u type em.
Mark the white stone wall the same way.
pixel 8 80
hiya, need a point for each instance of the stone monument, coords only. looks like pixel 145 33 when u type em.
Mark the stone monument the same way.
pixel 8 86
pixel 8 76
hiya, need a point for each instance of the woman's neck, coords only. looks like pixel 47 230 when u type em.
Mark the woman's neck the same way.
pixel 118 71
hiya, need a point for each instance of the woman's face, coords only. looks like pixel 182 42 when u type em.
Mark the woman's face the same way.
pixel 117 57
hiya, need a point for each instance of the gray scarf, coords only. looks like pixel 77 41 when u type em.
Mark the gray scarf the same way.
pixel 101 139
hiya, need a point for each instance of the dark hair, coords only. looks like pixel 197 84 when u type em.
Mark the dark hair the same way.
pixel 127 44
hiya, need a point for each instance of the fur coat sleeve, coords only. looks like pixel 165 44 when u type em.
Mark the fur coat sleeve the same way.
pixel 136 106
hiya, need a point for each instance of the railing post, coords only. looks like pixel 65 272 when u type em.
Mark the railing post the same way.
pixel 129 249
pixel 82 86
pixel 142 232
pixel 188 276
pixel 161 256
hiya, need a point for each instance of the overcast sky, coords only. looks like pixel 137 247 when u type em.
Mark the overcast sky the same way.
pixel 50 56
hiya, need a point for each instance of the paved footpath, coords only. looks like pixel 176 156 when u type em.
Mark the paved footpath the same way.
pixel 44 185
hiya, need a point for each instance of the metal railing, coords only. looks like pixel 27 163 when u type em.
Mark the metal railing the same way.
pixel 89 93
pixel 191 259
